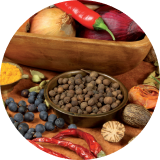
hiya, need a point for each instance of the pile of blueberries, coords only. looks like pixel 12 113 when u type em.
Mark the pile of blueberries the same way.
pixel 26 113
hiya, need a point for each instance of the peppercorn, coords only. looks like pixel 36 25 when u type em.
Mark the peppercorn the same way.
pixel 91 102
pixel 74 110
pixel 65 80
pixel 78 81
pixel 81 86
pixel 101 78
pixel 106 108
pixel 69 105
pixel 120 96
pixel 52 93
pixel 89 109
pixel 60 89
pixel 65 86
pixel 60 80
pixel 80 97
pixel 79 91
pixel 118 101
pixel 114 105
pixel 71 87
pixel 57 97
pixel 95 110
pixel 101 99
pixel 80 111
pixel 62 96
pixel 61 102
pixel 85 91
pixel 106 82
pixel 99 104
pixel 67 100
pixel 83 105
pixel 108 100
pixel 114 93
pixel 98 81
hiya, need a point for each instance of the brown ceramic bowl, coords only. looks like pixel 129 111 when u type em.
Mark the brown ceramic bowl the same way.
pixel 9 87
pixel 84 120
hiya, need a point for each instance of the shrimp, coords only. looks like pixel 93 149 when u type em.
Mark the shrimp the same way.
pixel 145 95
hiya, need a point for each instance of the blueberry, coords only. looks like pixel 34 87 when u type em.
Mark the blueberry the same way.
pixel 32 108
pixel 59 122
pixel 31 99
pixel 38 101
pixel 8 101
pixel 49 126
pixel 12 119
pixel 22 110
pixel 41 92
pixel 43 115
pixel 22 132
pixel 23 126
pixel 52 118
pixel 42 107
pixel 29 117
pixel 22 103
pixel 32 94
pixel 31 130
pixel 39 96
pixel 37 135
pixel 72 126
pixel 24 93
pixel 18 117
pixel 16 124
pixel 28 135
pixel 13 106
pixel 40 128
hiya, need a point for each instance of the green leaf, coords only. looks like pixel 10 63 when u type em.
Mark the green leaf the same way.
pixel 33 72
pixel 156 64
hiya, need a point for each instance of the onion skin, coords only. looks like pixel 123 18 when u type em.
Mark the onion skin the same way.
pixel 122 26
pixel 53 22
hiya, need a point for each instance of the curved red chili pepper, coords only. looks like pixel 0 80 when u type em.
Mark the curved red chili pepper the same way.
pixel 48 150
pixel 84 15
pixel 81 151
pixel 94 146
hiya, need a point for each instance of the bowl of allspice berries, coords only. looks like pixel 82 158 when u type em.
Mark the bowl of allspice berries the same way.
pixel 86 98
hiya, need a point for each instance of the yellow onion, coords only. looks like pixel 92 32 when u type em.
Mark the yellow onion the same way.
pixel 53 22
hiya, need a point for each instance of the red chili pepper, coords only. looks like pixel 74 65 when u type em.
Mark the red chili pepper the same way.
pixel 84 15
pixel 94 146
pixel 48 150
pixel 81 151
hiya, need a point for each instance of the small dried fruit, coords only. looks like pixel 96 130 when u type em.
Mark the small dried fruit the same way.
pixel 113 131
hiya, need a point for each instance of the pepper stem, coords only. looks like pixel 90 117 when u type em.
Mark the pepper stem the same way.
pixel 101 154
pixel 100 25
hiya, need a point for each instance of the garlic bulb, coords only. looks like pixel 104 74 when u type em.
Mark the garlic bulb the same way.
pixel 113 131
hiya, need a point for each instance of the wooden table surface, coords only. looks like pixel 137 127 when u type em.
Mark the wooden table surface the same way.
pixel 129 79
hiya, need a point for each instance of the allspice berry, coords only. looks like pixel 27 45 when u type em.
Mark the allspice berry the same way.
pixel 66 108
pixel 101 99
pixel 69 105
pixel 71 81
pixel 94 74
pixel 55 102
pixel 74 103
pixel 71 87
pixel 114 93
pixel 85 112
pixel 106 82
pixel 65 80
pixel 79 91
pixel 60 89
pixel 61 102
pixel 99 112
pixel 62 96
pixel 101 87
pixel 57 97
pixel 115 85
pixel 70 93
pixel 81 86
pixel 80 97
pixel 55 89
pixel 88 79
pixel 85 91
pixel 101 78
pixel 78 81
pixel 52 93
pixel 65 86
pixel 109 94
pixel 89 109
pixel 106 108
pixel 60 81
pixel 91 102
pixel 118 91
pixel 98 81
pixel 90 93
pixel 108 100
pixel 83 105
pixel 99 104
pixel 80 111
pixel 87 99
pixel 90 85
pixel 120 96
pixel 95 110
pixel 67 100
pixel 114 105
pixel 118 101
pixel 78 76
pixel 74 99
pixel 74 110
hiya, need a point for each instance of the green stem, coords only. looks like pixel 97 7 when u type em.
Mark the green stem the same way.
pixel 101 154
pixel 100 25
pixel 155 79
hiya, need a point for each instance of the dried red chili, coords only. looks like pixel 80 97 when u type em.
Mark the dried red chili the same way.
pixel 84 15
pixel 48 150
pixel 81 151
pixel 94 146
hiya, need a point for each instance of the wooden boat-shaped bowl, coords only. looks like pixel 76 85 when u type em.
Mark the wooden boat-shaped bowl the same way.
pixel 65 54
